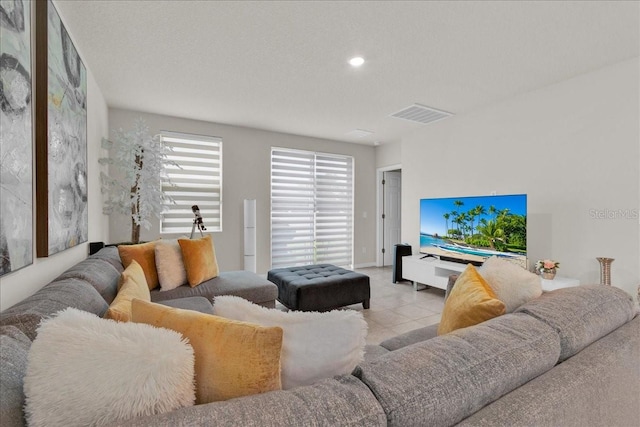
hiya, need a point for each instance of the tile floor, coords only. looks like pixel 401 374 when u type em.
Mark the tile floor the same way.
pixel 396 308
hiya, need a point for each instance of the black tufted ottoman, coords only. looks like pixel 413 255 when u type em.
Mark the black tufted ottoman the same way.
pixel 320 287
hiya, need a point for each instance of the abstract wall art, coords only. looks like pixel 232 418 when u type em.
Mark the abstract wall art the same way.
pixel 61 136
pixel 16 147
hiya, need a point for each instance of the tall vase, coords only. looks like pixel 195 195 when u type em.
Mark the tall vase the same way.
pixel 605 270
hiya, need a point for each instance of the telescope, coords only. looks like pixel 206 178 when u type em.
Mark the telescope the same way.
pixel 197 222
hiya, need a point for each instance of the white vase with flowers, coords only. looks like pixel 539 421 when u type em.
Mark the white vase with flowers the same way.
pixel 547 268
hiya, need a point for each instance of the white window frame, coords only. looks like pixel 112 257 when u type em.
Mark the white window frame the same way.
pixel 193 167
pixel 312 208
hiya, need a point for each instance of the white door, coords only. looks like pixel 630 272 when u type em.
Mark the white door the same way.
pixel 391 209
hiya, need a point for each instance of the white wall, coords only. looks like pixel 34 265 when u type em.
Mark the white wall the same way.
pixel 573 147
pixel 388 154
pixel 20 284
pixel 246 175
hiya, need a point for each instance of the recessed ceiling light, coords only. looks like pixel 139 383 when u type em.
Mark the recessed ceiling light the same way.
pixel 356 61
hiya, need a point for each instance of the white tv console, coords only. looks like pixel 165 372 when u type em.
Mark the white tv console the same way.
pixel 429 271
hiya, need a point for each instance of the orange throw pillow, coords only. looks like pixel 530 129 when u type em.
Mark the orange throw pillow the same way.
pixel 199 258
pixel 145 255
pixel 233 358
pixel 470 302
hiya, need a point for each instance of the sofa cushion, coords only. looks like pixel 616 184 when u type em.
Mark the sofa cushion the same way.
pixel 471 301
pixel 14 351
pixel 314 345
pixel 244 284
pixel 233 359
pixel 133 285
pixel 512 284
pixel 83 370
pixel 145 255
pixel 445 379
pixel 582 314
pixel 200 304
pixel 199 258
pixel 99 273
pixel 55 296
pixel 170 266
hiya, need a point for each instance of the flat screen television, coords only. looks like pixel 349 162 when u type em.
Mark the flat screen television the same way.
pixel 472 229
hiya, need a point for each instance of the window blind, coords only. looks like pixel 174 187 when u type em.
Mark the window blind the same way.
pixel 311 208
pixel 193 177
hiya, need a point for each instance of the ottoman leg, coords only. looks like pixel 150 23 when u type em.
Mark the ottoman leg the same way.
pixel 365 304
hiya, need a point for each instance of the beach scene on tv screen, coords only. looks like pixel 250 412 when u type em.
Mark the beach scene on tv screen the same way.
pixel 475 228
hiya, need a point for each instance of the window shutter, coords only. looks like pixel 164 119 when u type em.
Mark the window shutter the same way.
pixel 292 208
pixel 194 177
pixel 334 209
pixel 311 208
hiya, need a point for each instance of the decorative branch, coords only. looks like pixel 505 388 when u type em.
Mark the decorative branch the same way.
pixel 136 166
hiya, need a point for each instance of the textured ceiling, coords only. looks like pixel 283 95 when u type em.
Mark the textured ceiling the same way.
pixel 282 66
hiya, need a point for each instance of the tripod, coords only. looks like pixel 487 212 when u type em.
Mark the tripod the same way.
pixel 197 222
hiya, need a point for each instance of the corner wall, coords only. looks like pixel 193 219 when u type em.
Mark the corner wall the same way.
pixel 389 154
pixel 573 147
pixel 18 285
pixel 246 175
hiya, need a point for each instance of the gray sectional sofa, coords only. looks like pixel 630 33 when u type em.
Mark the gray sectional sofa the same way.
pixel 568 358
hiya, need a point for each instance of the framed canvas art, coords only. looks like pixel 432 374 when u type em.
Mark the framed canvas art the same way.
pixel 61 136
pixel 16 142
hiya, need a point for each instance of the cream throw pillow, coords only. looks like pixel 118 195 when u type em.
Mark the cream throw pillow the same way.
pixel 169 264
pixel 511 283
pixel 86 371
pixel 314 346
pixel 132 285
pixel 470 302
pixel 233 359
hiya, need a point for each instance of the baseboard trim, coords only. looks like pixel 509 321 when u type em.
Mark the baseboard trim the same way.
pixel 365 265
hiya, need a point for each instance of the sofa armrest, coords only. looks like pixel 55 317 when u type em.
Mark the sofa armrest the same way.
pixel 411 337
pixel 599 386
pixel 452 281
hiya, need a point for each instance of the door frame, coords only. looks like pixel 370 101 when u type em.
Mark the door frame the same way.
pixel 379 207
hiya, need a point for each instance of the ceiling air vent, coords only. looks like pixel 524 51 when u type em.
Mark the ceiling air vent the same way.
pixel 359 133
pixel 421 114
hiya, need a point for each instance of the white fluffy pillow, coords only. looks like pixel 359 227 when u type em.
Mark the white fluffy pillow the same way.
pixel 169 264
pixel 314 345
pixel 511 283
pixel 83 370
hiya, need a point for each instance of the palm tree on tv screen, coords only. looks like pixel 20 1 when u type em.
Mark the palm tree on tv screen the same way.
pixel 446 217
pixel 492 232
